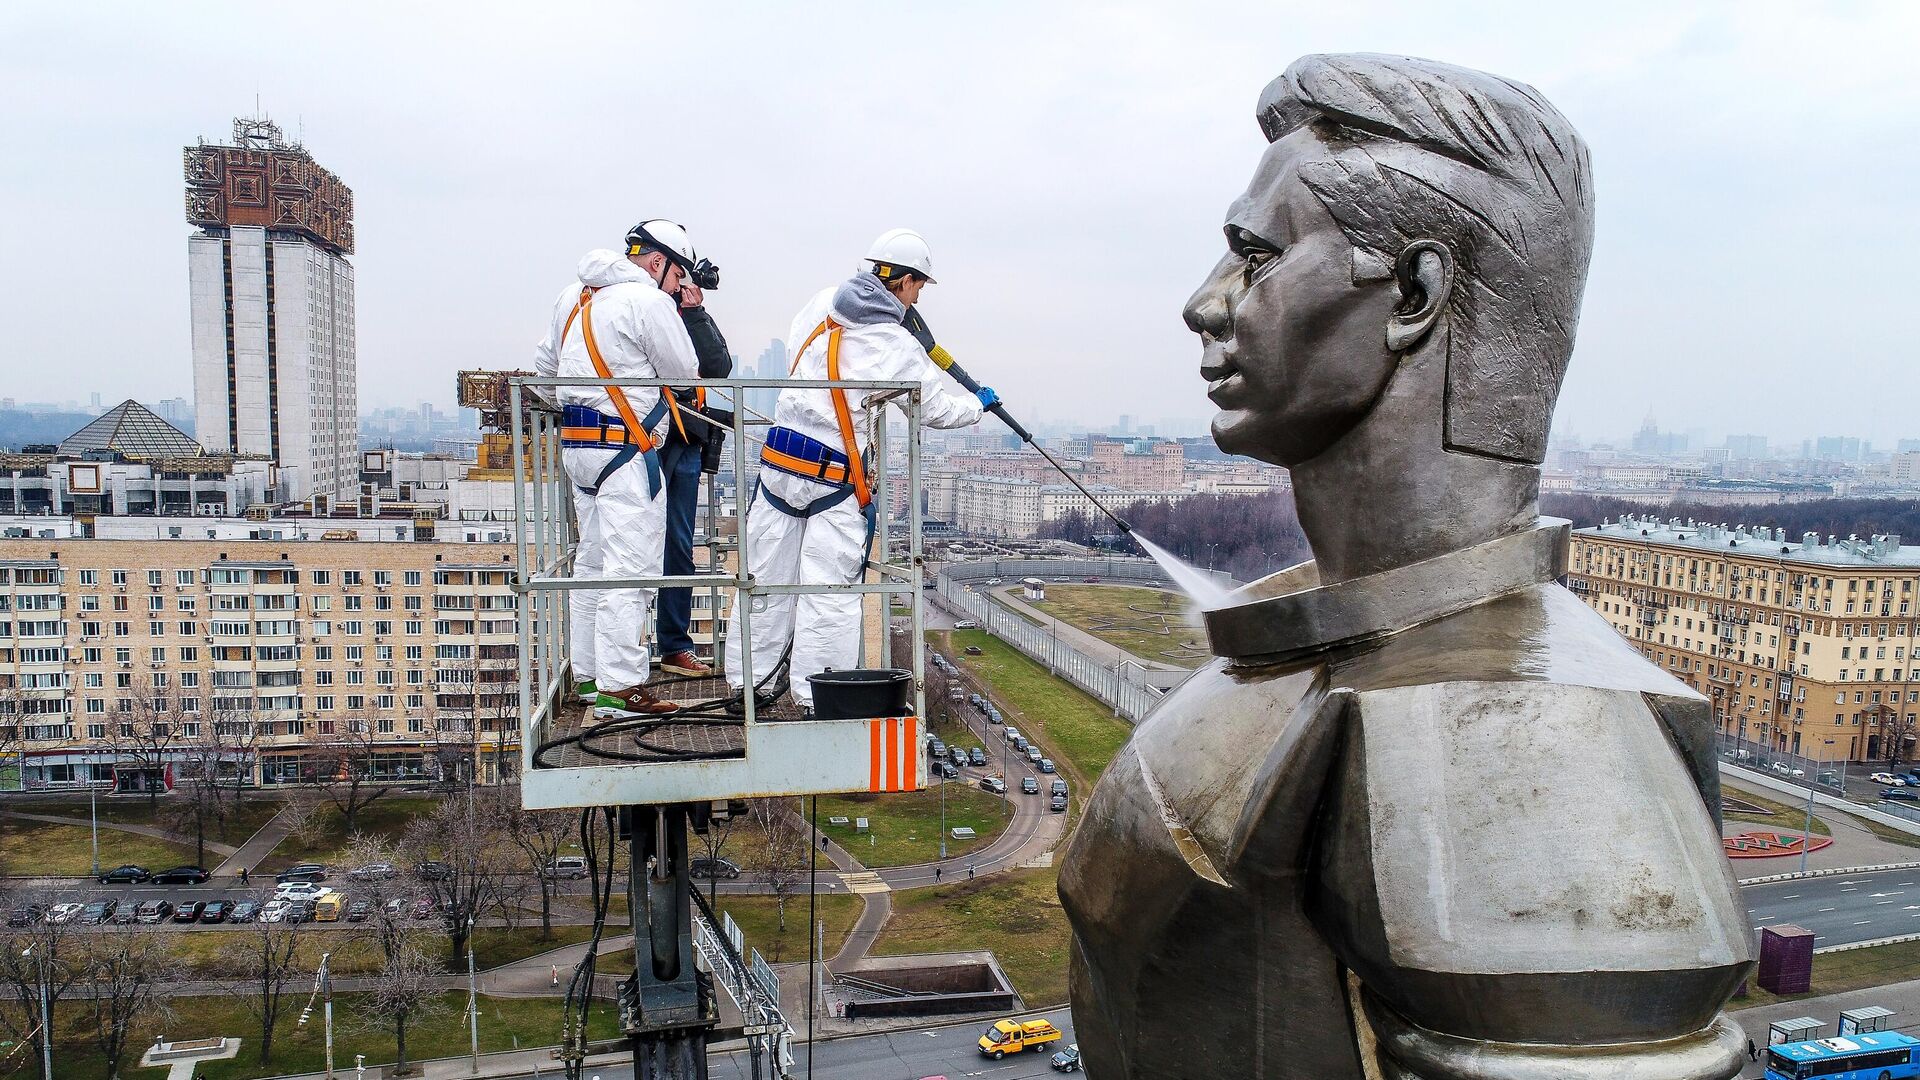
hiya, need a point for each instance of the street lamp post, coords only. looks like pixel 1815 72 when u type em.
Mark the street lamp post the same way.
pixel 943 814
pixel 93 811
pixel 473 1000
pixel 46 1022
pixel 1211 548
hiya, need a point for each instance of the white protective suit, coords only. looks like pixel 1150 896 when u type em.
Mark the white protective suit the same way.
pixel 623 527
pixel 831 546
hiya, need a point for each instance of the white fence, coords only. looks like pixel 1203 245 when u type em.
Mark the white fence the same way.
pixel 1127 687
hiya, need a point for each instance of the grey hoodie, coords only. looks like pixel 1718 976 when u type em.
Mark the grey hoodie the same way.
pixel 864 300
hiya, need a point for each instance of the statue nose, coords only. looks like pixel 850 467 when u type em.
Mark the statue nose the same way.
pixel 1209 312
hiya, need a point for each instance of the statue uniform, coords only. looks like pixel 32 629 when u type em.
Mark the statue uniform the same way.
pixel 1437 822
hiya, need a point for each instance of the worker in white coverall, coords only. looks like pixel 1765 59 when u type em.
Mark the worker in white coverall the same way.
pixel 810 520
pixel 620 320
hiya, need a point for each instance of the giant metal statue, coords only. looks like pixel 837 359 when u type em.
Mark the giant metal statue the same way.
pixel 1428 817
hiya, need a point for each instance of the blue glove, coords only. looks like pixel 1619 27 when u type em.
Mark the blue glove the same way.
pixel 988 399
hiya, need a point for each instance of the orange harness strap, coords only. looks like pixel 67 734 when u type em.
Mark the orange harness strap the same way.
pixel 856 470
pixel 636 435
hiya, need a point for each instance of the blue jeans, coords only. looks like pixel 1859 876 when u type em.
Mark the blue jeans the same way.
pixel 680 465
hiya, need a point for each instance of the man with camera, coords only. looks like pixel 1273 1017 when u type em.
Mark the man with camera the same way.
pixel 692 446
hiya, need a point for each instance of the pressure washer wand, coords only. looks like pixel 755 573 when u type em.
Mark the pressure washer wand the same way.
pixel 918 327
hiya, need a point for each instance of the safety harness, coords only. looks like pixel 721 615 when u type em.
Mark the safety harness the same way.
pixel 581 426
pixel 799 455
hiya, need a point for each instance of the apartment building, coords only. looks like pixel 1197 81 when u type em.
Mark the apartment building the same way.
pixel 1806 646
pixel 273 660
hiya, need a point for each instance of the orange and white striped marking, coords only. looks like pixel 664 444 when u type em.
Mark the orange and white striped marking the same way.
pixel 893 754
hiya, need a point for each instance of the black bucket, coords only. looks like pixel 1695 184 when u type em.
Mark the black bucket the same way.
pixel 861 694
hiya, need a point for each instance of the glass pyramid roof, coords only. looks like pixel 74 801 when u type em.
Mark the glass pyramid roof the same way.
pixel 132 429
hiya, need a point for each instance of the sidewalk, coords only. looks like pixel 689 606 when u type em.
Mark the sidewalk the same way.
pixel 257 847
pixel 142 830
pixel 1903 998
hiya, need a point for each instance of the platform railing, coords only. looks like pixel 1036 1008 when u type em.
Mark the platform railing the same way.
pixel 546 545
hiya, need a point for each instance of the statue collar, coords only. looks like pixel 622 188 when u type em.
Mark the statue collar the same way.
pixel 1290 615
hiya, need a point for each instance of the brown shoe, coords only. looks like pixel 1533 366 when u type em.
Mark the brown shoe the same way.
pixel 685 663
pixel 633 701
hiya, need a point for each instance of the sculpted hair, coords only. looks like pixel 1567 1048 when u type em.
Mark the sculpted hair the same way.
pixel 1423 150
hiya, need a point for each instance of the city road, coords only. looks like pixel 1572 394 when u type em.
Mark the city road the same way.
pixel 1843 908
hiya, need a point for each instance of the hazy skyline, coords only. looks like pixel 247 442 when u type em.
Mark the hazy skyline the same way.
pixel 1070 165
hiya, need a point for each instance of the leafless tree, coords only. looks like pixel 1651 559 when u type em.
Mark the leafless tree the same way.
pixel 148 736
pixel 541 836
pixel 124 974
pixel 785 847
pixel 214 758
pixel 713 841
pixel 460 855
pixel 389 895
pixel 263 960
pixel 45 956
pixel 344 765
pixel 406 992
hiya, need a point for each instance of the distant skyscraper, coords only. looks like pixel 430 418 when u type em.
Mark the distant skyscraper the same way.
pixel 274 367
pixel 1746 447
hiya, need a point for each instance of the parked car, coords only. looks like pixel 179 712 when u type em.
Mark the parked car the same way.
pixel 1091 580
pixel 299 890
pixel 976 700
pixel 1830 779
pixel 1067 1060
pixel 61 914
pixel 1011 733
pixel 937 748
pixel 302 872
pixel 26 915
pixel 128 874
pixel 966 624
pixel 1012 1036
pixel 977 756
pixel 299 911
pixel 182 875
pixel 125 915
pixel 993 581
pixel 377 871
pixel 1888 779
pixel 216 911
pixel 433 871
pixel 994 717
pixel 245 911
pixel 1033 755
pixel 1901 794
pixel 275 911
pixel 1912 778
pixel 566 866
pixel 359 910
pixel 189 911
pixel 98 912
pixel 1046 764
pixel 152 911
pixel 1020 745
pixel 1059 786
pixel 993 784
pixel 947 770
pixel 423 908
pixel 714 868
pixel 396 908
pixel 1058 804
pixel 1029 785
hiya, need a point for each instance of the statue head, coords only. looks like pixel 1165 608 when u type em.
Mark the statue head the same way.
pixel 1401 206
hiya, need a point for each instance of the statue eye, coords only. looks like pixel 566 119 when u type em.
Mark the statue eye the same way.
pixel 1255 253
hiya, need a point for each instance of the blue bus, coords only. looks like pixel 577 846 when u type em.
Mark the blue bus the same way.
pixel 1877 1055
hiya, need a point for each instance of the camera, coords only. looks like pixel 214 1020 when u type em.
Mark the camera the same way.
pixel 705 274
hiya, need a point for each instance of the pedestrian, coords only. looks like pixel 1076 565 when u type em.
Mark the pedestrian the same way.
pixel 969 871
pixel 1753 1052
pixel 936 875
pixel 555 968
pixel 810 518
pixel 243 876
pixel 823 843
pixel 620 320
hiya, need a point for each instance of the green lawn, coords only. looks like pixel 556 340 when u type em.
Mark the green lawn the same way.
pixel 386 817
pixel 1017 915
pixel 1077 731
pixel 905 826
pixel 37 847
pixel 354 951
pixel 1783 816
pixel 242 821
pixel 505 1024
pixel 760 924
pixel 1153 624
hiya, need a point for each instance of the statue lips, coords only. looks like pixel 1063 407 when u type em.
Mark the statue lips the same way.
pixel 1222 375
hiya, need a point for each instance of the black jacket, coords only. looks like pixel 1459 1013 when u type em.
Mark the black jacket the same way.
pixel 715 363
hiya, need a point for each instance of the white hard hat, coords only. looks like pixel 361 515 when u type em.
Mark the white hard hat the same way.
pixel 901 249
pixel 659 234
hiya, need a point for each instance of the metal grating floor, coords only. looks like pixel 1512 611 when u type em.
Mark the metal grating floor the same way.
pixel 706 734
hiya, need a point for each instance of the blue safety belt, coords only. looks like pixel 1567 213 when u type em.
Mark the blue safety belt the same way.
pixel 580 416
pixel 790 452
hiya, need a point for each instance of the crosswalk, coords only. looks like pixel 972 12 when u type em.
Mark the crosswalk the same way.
pixel 865 881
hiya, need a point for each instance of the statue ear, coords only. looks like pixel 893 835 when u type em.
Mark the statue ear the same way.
pixel 1424 272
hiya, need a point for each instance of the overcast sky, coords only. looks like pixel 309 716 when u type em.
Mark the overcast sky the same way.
pixel 1070 165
